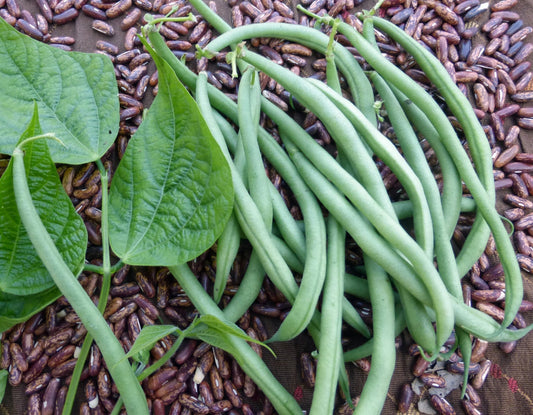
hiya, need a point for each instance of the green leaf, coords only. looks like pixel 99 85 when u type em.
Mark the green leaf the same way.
pixel 76 93
pixel 172 193
pixel 149 336
pixel 22 272
pixel 3 383
pixel 15 309
pixel 215 331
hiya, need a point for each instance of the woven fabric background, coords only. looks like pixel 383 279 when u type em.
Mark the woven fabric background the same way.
pixel 509 386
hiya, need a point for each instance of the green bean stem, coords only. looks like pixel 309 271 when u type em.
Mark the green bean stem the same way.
pixel 113 353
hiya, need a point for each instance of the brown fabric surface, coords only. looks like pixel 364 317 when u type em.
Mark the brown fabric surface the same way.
pixel 509 387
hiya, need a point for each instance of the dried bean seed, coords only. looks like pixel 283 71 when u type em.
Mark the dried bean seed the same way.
pixel 526 263
pixel 441 405
pixel 64 369
pixel 193 403
pixel 479 378
pixel 103 27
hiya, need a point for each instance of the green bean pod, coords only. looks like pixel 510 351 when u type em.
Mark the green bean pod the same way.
pixel 253 277
pixel 330 349
pixel 481 188
pixel 303 300
pixel 377 383
pixel 473 321
pixel 249 109
pixel 227 248
pixel 452 191
pixel 387 152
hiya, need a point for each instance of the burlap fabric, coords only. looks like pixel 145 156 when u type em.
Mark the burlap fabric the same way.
pixel 509 386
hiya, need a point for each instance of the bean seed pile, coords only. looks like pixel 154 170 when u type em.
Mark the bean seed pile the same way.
pixel 485 49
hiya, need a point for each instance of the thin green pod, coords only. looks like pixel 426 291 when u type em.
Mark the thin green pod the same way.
pixel 481 188
pixel 387 152
pixel 289 229
pixel 330 349
pixel 377 383
pixel 255 229
pixel 443 248
pixel 249 109
pixel 452 190
pixel 227 247
pixel 254 275
pixel 419 323
pixel 319 185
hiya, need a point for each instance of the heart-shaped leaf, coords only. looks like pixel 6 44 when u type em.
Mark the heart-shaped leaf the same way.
pixel 22 272
pixel 76 94
pixel 172 193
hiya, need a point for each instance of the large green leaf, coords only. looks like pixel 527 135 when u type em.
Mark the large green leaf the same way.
pixel 172 192
pixel 21 270
pixel 76 93
pixel 15 309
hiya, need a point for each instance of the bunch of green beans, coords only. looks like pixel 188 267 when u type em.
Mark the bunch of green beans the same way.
pixel 401 281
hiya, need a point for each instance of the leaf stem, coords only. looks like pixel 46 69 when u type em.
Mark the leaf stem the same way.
pixel 67 283
pixel 38 137
pixel 100 269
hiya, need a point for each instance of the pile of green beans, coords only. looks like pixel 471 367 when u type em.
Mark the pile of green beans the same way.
pixel 400 279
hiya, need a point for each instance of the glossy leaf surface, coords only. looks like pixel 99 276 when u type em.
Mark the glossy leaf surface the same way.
pixel 172 194
pixel 22 272
pixel 76 94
